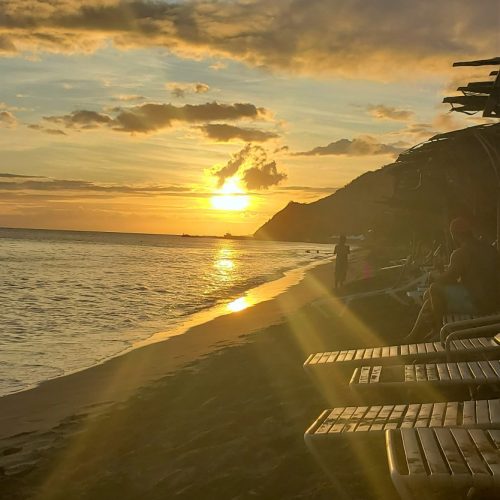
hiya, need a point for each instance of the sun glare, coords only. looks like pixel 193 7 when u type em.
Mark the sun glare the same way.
pixel 230 197
pixel 238 304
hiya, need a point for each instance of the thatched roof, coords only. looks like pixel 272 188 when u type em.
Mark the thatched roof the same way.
pixel 457 172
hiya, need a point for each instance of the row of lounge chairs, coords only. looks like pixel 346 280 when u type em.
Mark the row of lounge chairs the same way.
pixel 394 400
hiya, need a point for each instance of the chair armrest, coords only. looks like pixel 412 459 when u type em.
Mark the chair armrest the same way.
pixel 478 331
pixel 468 323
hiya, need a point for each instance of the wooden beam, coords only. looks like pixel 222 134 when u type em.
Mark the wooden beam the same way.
pixel 481 62
pixel 481 87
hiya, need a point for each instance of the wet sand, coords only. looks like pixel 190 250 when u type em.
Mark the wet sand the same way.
pixel 218 412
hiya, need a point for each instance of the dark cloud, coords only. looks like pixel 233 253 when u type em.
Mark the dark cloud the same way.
pixel 53 131
pixel 181 89
pixel 224 133
pixel 151 117
pixel 360 146
pixel 57 185
pixel 383 112
pixel 263 176
pixel 82 119
pixel 45 130
pixel 252 166
pixel 346 37
pixel 19 176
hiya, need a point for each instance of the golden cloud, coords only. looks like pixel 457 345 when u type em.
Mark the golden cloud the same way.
pixel 152 117
pixel 7 119
pixel 222 132
pixel 178 89
pixel 383 112
pixel 342 37
pixel 359 146
pixel 253 166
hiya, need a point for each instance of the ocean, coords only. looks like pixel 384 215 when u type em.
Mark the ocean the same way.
pixel 70 300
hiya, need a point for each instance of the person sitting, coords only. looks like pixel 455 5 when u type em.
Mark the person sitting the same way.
pixel 468 286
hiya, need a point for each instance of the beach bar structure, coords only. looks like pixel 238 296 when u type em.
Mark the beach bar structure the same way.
pixel 478 96
pixel 483 96
pixel 451 174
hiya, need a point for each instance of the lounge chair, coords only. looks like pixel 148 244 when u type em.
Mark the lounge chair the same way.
pixel 444 463
pixel 392 291
pixel 470 344
pixel 336 422
pixel 354 433
pixel 424 380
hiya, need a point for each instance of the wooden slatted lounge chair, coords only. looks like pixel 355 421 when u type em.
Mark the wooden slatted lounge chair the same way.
pixel 444 463
pixel 342 433
pixel 464 345
pixel 424 380
pixel 335 422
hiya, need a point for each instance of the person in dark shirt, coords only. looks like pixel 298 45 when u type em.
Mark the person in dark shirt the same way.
pixel 341 262
pixel 468 286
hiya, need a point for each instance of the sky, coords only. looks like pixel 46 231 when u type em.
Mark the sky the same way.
pixel 208 117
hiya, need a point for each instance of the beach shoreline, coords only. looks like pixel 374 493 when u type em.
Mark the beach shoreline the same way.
pixel 265 291
pixel 116 379
pixel 171 419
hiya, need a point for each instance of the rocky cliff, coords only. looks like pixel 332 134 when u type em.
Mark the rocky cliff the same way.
pixel 354 209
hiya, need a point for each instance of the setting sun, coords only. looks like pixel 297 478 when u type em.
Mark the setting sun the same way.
pixel 231 197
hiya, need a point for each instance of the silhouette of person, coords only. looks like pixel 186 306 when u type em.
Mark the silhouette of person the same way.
pixel 468 286
pixel 341 262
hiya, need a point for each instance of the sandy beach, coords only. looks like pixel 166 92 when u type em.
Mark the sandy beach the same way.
pixel 218 412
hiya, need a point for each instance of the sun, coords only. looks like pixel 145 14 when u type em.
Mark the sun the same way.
pixel 230 197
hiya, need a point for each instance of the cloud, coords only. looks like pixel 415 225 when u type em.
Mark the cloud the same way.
pixel 82 119
pixel 360 146
pixel 252 166
pixel 224 133
pixel 441 123
pixel 217 66
pixel 383 112
pixel 181 89
pixel 128 97
pixel 309 189
pixel 345 37
pixel 263 176
pixel 58 185
pixel 7 119
pixel 19 176
pixel 45 130
pixel 7 107
pixel 151 117
pixel 6 45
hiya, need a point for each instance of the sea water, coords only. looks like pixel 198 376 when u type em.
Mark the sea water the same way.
pixel 70 300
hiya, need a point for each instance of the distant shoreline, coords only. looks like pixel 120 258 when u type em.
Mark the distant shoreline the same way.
pixel 226 236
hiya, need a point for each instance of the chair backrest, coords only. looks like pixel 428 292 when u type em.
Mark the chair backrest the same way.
pixel 497 338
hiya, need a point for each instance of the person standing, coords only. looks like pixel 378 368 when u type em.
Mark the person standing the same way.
pixel 341 251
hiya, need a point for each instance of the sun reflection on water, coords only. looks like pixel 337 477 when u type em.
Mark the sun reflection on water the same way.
pixel 225 264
